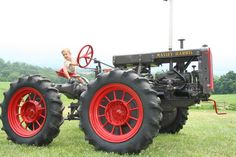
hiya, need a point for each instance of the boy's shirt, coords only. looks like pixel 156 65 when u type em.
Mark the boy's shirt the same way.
pixel 70 68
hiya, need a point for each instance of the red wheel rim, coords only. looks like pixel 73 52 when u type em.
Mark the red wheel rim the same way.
pixel 27 112
pixel 116 113
pixel 85 56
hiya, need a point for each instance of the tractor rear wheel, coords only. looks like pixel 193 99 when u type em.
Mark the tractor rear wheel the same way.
pixel 120 112
pixel 173 121
pixel 32 111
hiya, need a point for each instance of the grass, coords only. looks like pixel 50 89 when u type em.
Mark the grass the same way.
pixel 204 135
pixel 224 102
pixel 3 87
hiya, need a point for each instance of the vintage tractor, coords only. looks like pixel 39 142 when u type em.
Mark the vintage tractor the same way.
pixel 122 109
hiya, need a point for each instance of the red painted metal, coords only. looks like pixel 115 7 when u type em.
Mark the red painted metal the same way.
pixel 86 54
pixel 215 107
pixel 211 83
pixel 27 112
pixel 62 74
pixel 116 113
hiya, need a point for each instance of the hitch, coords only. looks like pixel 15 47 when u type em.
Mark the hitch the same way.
pixel 215 107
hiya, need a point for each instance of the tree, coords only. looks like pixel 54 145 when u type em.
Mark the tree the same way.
pixel 226 84
pixel 11 71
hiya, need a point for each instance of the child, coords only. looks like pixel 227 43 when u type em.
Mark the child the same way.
pixel 69 68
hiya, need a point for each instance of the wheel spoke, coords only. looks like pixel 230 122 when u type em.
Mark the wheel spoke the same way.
pixel 102 106
pixel 18 108
pixel 103 115
pixel 29 97
pixel 18 105
pixel 113 129
pixel 88 50
pixel 132 109
pixel 18 114
pixel 40 102
pixel 26 125
pixel 38 123
pixel 114 94
pixel 129 126
pixel 33 126
pixel 105 124
pixel 123 96
pixel 42 108
pixel 127 103
pixel 86 60
pixel 133 118
pixel 34 97
pixel 121 130
pixel 43 116
pixel 107 99
pixel 22 122
pixel 22 100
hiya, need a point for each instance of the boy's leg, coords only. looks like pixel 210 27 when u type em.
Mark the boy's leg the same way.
pixel 80 80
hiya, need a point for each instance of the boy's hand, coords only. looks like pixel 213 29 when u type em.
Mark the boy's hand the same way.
pixel 72 80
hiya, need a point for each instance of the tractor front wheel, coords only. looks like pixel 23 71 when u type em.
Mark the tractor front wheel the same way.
pixel 32 111
pixel 120 112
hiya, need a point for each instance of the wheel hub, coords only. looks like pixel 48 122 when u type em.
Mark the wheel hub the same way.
pixel 30 111
pixel 117 113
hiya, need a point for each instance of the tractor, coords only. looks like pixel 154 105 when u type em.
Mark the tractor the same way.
pixel 122 109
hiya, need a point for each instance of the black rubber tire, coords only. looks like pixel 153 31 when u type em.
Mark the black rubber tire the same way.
pixel 53 121
pixel 152 114
pixel 173 121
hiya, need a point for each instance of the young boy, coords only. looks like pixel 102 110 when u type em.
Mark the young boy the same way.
pixel 70 64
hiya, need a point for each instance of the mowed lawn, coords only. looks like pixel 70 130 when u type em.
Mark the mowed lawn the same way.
pixel 205 134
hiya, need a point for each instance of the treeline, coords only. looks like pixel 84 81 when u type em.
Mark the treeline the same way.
pixel 225 84
pixel 11 71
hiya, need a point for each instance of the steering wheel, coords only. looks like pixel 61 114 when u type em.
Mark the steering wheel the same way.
pixel 85 56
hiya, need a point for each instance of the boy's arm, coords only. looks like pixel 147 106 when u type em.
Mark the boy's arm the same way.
pixel 66 72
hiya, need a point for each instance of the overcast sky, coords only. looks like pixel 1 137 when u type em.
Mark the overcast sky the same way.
pixel 36 31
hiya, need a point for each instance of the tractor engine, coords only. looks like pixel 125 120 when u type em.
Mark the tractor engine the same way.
pixel 187 79
pixel 172 82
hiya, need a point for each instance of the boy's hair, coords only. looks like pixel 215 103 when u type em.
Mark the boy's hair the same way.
pixel 66 50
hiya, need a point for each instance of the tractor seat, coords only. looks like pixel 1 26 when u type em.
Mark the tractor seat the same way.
pixel 61 73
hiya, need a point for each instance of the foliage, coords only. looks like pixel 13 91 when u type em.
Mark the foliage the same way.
pixel 11 71
pixel 226 84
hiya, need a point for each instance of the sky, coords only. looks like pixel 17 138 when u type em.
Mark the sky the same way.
pixel 35 32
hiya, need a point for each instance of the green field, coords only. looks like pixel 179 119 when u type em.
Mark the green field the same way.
pixel 205 134
pixel 224 102
pixel 3 87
